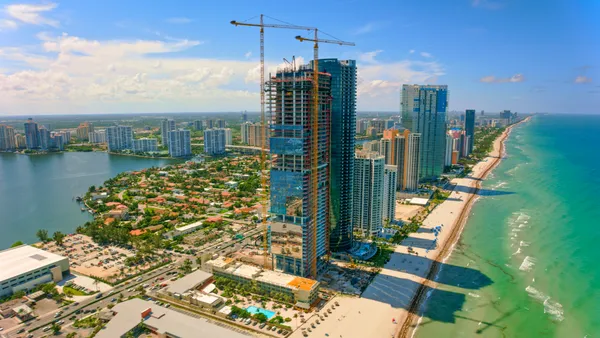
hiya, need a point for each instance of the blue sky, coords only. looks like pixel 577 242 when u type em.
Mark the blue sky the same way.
pixel 140 56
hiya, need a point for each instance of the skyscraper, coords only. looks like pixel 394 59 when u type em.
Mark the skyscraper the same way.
pixel 198 125
pixel 424 112
pixel 98 136
pixel 119 138
pixel 145 145
pixel 449 150
pixel 44 137
pixel 368 192
pixel 180 144
pixel 83 131
pixel 470 129
pixel 32 134
pixel 214 141
pixel 7 138
pixel 298 230
pixel 228 137
pixel 20 142
pixel 245 132
pixel 166 126
pixel 390 182
pixel 408 160
pixel 342 138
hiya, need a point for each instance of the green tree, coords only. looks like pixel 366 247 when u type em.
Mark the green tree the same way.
pixel 17 243
pixel 42 234
pixel 261 317
pixel 92 188
pixel 186 267
pixel 55 329
pixel 58 238
pixel 72 335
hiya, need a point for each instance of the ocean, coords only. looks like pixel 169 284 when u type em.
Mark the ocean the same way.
pixel 36 192
pixel 534 233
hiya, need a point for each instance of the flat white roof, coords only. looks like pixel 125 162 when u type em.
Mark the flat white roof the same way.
pixel 189 281
pixel 23 259
pixel 276 278
pixel 419 201
pixel 243 270
pixel 190 226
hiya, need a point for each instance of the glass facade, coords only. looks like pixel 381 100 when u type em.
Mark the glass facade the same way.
pixel 298 236
pixel 470 129
pixel 343 132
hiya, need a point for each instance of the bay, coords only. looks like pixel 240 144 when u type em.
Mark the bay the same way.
pixel 36 192
pixel 534 233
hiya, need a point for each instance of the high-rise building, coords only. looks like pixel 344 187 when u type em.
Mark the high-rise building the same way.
pixel 378 124
pixel 389 123
pixel 20 141
pixel 470 129
pixel 98 136
pixel 390 183
pixel 465 140
pixel 342 138
pixel 57 141
pixel 255 132
pixel 210 124
pixel 385 150
pixel 361 126
pixel 390 154
pixel 44 136
pixel 449 150
pixel 145 145
pixel 372 146
pixel 368 192
pixel 32 134
pixel 299 189
pixel 198 125
pixel 166 126
pixel 408 161
pixel 214 141
pixel 180 143
pixel 7 138
pixel 217 123
pixel 371 131
pixel 424 111
pixel 244 116
pixel 245 132
pixel 228 137
pixel 83 131
pixel 506 115
pixel 119 138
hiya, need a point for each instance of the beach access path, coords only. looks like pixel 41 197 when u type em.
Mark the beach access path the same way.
pixel 389 306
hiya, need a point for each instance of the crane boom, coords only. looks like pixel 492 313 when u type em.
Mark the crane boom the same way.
pixel 335 42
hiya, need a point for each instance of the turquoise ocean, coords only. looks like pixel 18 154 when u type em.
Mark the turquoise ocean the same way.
pixel 528 262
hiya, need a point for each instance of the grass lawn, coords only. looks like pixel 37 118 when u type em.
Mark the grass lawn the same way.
pixel 383 255
pixel 74 292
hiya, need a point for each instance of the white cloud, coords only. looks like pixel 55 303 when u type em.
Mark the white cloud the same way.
pixel 426 55
pixel 248 54
pixel 369 57
pixel 32 14
pixel 492 79
pixel 179 20
pixel 7 25
pixel 412 51
pixel 487 4
pixel 583 79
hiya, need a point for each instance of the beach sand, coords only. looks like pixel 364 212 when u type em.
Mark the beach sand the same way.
pixel 383 309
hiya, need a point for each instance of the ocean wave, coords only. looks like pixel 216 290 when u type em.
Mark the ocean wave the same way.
pixel 528 264
pixel 517 252
pixel 523 225
pixel 474 295
pixel 523 243
pixel 552 308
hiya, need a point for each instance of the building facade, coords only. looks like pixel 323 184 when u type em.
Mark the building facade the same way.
pixel 145 145
pixel 83 131
pixel 98 136
pixel 408 162
pixel 299 180
pixel 470 129
pixel 214 141
pixel 368 192
pixel 119 138
pixel 342 138
pixel 390 183
pixel 180 143
pixel 245 132
pixel 198 125
pixel 32 134
pixel 166 126
pixel 424 111
pixel 7 138
pixel 228 137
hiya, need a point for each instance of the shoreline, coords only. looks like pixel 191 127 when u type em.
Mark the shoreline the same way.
pixel 420 297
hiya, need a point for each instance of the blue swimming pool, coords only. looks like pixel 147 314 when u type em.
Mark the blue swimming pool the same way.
pixel 254 310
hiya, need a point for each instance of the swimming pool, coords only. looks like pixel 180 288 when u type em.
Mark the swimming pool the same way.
pixel 254 310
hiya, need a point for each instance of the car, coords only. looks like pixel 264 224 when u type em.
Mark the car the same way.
pixel 262 325
pixel 279 331
pixel 21 330
pixel 30 335
pixel 274 328
pixel 1 329
pixel 98 296
pixel 75 304
pixel 47 328
pixel 60 322
pixel 113 300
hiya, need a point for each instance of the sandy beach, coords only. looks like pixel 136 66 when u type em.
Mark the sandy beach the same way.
pixel 389 306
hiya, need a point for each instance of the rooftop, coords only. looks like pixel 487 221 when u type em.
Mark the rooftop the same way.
pixel 188 282
pixel 302 283
pixel 129 313
pixel 22 259
pixel 190 226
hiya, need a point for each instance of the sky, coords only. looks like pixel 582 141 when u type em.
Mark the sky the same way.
pixel 72 57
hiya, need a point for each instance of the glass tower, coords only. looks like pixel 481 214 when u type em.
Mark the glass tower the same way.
pixel 424 112
pixel 470 129
pixel 343 132
pixel 298 235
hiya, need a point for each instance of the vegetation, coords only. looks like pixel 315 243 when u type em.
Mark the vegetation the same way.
pixel 231 288
pixel 86 322
pixel 42 235
pixel 58 238
pixel 79 147
pixel 70 291
pixel 17 243
pixel 186 267
pixel 55 328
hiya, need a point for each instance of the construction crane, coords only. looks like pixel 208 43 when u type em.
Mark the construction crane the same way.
pixel 315 139
pixel 263 153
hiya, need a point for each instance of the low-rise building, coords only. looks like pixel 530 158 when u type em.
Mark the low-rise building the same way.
pixel 195 280
pixel 25 267
pixel 303 291
pixel 161 321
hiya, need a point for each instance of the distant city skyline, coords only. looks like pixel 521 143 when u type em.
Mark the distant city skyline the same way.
pixel 70 57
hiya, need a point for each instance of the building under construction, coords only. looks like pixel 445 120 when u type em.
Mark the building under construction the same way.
pixel 299 227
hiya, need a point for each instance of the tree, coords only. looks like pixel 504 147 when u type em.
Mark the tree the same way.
pixel 42 234
pixel 72 335
pixel 261 317
pixel 58 238
pixel 92 188
pixel 186 267
pixel 55 328
pixel 17 243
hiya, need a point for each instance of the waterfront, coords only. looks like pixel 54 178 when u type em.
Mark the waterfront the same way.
pixel 532 234
pixel 36 191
